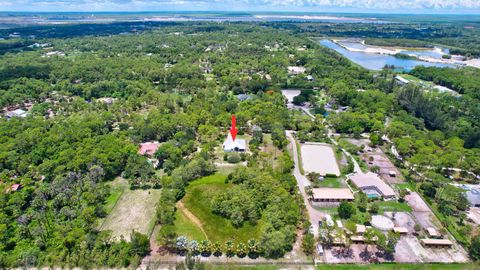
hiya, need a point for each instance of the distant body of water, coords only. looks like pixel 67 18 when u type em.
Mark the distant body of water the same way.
pixel 375 61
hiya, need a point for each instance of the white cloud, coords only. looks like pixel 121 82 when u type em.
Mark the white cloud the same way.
pixel 60 5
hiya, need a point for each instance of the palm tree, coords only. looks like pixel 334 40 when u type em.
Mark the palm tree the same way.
pixel 241 250
pixel 252 246
pixel 217 249
pixel 229 248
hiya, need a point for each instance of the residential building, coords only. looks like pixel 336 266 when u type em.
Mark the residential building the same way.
pixel 371 184
pixel 16 113
pixel 237 145
pixel 148 148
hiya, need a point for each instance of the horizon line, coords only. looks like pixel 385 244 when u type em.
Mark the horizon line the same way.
pixel 385 12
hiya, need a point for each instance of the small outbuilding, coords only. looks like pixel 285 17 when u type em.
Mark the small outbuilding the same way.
pixel 400 230
pixel 432 232
pixel 361 229
pixel 436 243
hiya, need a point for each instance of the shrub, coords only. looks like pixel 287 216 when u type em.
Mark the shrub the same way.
pixel 234 158
pixel 346 210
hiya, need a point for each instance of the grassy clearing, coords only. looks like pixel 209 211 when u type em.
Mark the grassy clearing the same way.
pixel 198 200
pixel 393 206
pixel 331 182
pixel 117 188
pixel 186 227
pixel 299 156
pixel 404 186
pixel 133 210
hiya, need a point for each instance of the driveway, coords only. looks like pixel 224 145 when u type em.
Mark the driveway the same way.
pixel 314 215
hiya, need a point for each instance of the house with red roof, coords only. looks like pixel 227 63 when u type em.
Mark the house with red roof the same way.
pixel 148 148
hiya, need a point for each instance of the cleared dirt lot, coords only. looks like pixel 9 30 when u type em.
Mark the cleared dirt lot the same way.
pixel 320 158
pixel 135 210
pixel 380 159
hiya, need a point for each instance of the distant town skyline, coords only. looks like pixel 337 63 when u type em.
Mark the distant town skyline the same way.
pixel 351 6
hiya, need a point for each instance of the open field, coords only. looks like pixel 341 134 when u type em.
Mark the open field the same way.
pixel 117 188
pixel 197 201
pixel 392 206
pixel 319 158
pixel 332 182
pixel 134 210
pixel 185 226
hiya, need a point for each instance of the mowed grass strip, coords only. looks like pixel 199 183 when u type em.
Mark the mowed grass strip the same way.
pixel 197 200
pixel 185 226
pixel 331 182
pixel 393 206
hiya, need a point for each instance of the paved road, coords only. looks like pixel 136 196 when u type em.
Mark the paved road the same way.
pixel 314 215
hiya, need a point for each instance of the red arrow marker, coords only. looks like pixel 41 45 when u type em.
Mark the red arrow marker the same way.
pixel 233 130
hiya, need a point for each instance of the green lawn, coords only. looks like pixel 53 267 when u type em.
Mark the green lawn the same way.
pixel 404 186
pixel 331 182
pixel 391 206
pixel 117 187
pixel 186 227
pixel 198 199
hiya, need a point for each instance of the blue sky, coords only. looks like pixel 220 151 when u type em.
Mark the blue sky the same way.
pixel 397 6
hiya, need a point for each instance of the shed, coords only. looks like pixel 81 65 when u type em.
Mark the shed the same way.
pixel 400 230
pixel 432 232
pixel 361 229
pixel 436 242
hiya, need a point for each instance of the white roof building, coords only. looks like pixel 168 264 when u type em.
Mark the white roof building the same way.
pixel 295 70
pixel 16 113
pixel 401 80
pixel 237 145
pixel 372 185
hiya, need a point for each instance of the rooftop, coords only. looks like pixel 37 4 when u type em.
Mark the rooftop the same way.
pixel 432 232
pixel 372 180
pixel 332 194
pixel 439 242
pixel 400 229
pixel 472 192
pixel 148 148
pixel 234 145
pixel 361 228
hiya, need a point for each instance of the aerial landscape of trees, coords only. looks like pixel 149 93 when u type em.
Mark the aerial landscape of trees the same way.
pixel 178 84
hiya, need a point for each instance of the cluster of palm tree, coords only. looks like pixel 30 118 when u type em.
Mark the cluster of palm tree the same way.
pixel 207 248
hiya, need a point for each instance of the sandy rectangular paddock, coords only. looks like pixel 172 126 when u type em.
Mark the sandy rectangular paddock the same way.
pixel 319 158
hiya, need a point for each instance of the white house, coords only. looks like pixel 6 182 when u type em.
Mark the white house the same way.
pixel 16 113
pixel 237 145
pixel 295 70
